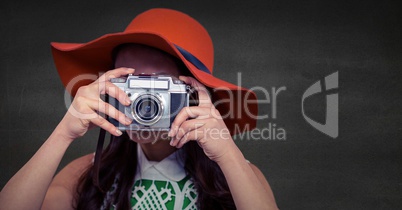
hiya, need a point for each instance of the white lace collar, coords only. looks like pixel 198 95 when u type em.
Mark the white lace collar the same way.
pixel 169 169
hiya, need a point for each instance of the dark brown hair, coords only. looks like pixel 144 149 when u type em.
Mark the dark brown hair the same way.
pixel 120 159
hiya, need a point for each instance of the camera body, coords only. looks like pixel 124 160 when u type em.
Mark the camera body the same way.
pixel 155 101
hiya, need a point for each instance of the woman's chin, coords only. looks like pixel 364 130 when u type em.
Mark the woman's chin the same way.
pixel 143 137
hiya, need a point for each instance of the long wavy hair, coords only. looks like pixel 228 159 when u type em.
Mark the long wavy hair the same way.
pixel 119 158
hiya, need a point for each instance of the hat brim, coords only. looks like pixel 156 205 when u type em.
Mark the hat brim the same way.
pixel 236 104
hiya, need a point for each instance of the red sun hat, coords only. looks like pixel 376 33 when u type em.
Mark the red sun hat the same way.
pixel 175 33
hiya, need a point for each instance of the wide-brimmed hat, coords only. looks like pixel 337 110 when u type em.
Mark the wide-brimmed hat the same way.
pixel 175 33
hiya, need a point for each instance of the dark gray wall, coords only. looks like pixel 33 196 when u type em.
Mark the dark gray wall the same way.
pixel 274 44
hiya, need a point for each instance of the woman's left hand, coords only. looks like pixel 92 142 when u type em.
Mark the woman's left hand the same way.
pixel 202 123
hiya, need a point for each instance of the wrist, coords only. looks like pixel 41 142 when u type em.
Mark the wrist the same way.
pixel 60 134
pixel 233 155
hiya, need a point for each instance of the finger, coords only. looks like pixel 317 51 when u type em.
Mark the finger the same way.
pixel 115 92
pixel 203 95
pixel 187 113
pixel 106 125
pixel 186 127
pixel 115 73
pixel 186 138
pixel 193 135
pixel 109 110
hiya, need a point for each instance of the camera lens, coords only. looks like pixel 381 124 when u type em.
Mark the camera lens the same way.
pixel 147 109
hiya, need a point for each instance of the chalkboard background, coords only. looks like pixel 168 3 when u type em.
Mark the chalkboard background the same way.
pixel 273 44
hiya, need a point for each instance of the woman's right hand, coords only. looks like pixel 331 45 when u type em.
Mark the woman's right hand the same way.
pixel 87 106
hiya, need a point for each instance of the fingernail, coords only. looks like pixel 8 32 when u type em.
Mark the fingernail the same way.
pixel 128 101
pixel 172 131
pixel 130 69
pixel 128 120
pixel 171 142
pixel 119 133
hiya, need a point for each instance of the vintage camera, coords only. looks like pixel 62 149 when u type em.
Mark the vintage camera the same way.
pixel 155 101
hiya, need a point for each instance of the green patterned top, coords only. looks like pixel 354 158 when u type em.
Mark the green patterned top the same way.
pixel 152 194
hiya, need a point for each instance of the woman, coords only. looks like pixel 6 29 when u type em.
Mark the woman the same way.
pixel 195 165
